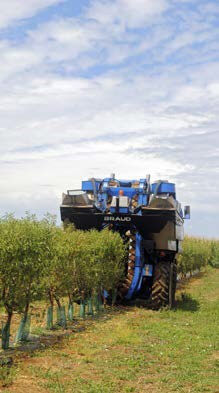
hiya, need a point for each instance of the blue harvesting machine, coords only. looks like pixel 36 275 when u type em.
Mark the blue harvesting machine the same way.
pixel 148 216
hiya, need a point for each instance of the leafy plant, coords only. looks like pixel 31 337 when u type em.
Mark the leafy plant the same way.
pixel 23 254
pixel 197 253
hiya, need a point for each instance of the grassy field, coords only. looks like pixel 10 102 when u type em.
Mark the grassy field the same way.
pixel 133 350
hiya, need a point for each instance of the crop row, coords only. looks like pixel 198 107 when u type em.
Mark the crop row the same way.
pixel 40 261
pixel 197 253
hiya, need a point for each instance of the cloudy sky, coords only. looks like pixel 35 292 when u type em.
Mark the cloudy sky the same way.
pixel 91 87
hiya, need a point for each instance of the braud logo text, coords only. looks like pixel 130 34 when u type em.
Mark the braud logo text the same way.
pixel 117 219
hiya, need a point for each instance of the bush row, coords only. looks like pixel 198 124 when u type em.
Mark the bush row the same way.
pixel 38 260
pixel 197 253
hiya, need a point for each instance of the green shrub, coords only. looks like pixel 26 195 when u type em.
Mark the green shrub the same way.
pixel 23 253
pixel 197 253
pixel 214 262
pixel 38 259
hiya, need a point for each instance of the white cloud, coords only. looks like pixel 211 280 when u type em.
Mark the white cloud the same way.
pixel 155 114
pixel 79 43
pixel 57 109
pixel 15 60
pixel 12 10
pixel 128 13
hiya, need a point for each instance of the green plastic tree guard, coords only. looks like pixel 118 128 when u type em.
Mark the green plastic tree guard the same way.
pixel 90 307
pixel 70 312
pixel 49 318
pixel 23 329
pixel 97 303
pixel 63 320
pixel 58 316
pixel 82 309
pixel 5 336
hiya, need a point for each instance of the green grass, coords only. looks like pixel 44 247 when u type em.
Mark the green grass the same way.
pixel 137 350
pixel 7 375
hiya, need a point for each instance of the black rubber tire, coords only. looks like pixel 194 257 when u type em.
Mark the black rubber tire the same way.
pixel 164 285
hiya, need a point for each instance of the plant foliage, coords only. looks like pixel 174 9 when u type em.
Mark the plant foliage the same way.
pixel 39 260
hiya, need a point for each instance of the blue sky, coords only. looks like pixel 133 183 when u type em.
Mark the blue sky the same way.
pixel 92 87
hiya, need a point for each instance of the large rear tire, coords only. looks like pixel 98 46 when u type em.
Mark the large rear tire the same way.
pixel 164 285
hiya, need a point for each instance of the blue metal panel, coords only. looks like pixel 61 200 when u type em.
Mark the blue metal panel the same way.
pixel 123 210
pixel 164 188
pixel 87 186
pixel 143 199
pixel 143 184
pixel 138 268
pixel 139 284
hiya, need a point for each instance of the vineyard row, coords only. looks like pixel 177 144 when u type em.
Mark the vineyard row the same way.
pixel 40 261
